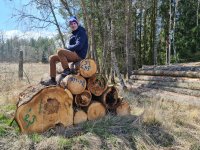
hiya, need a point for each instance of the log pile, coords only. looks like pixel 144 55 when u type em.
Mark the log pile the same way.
pixel 182 79
pixel 79 97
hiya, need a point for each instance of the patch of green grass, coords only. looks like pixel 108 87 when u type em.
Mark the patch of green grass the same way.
pixel 195 146
pixel 2 131
pixel 36 138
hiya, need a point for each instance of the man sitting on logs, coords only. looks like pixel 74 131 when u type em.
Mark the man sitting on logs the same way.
pixel 74 52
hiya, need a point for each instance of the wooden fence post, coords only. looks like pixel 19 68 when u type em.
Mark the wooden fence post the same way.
pixel 20 71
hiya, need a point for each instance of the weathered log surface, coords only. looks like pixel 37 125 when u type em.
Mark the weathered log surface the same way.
pixel 193 86
pixel 190 74
pixel 80 116
pixel 88 68
pixel 165 78
pixel 164 95
pixel 96 110
pixel 97 84
pixel 44 109
pixel 83 99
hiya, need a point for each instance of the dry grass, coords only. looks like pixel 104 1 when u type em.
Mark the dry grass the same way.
pixel 153 124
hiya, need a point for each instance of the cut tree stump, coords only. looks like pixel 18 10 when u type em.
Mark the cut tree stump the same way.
pixel 97 84
pixel 83 99
pixel 40 108
pixel 123 109
pixel 96 110
pixel 110 97
pixel 88 68
pixel 76 84
pixel 80 116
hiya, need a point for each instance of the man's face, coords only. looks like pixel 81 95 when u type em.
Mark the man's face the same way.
pixel 73 26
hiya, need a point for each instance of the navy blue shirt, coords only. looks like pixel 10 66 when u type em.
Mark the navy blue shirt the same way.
pixel 79 42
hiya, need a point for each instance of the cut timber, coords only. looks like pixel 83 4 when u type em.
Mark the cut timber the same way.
pixel 193 86
pixel 88 68
pixel 158 94
pixel 83 99
pixel 44 109
pixel 75 83
pixel 80 116
pixel 190 74
pixel 96 110
pixel 110 97
pixel 123 109
pixel 165 78
pixel 97 84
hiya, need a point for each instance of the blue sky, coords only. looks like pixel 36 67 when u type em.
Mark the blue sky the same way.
pixel 8 23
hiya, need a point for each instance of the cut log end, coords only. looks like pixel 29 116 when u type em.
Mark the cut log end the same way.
pixel 76 84
pixel 123 109
pixel 45 109
pixel 80 116
pixel 97 84
pixel 110 97
pixel 96 110
pixel 83 99
pixel 88 68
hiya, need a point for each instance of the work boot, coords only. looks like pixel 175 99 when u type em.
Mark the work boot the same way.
pixel 66 72
pixel 48 82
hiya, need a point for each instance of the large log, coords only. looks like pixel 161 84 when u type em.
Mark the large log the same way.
pixel 158 94
pixel 110 97
pixel 79 116
pixel 97 84
pixel 165 78
pixel 190 74
pixel 83 99
pixel 88 68
pixel 193 86
pixel 40 108
pixel 75 83
pixel 96 110
pixel 123 109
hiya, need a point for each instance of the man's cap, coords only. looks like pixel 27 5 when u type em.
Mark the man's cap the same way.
pixel 73 19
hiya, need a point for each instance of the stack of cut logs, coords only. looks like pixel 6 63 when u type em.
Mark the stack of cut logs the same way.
pixel 181 79
pixel 79 97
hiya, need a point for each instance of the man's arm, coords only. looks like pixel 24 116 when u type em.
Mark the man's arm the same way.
pixel 79 42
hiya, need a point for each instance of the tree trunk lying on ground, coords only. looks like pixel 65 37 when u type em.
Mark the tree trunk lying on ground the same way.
pixel 193 86
pixel 165 78
pixel 44 109
pixel 190 74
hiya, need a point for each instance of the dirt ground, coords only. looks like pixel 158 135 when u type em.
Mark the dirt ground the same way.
pixel 153 124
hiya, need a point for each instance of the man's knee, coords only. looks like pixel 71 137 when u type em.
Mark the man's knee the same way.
pixel 52 58
pixel 60 51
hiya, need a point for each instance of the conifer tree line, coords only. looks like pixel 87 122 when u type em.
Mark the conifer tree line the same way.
pixel 126 34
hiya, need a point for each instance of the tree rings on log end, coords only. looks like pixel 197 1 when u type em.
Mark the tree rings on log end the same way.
pixel 76 84
pixel 88 68
pixel 96 110
pixel 79 117
pixel 97 84
pixel 48 107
